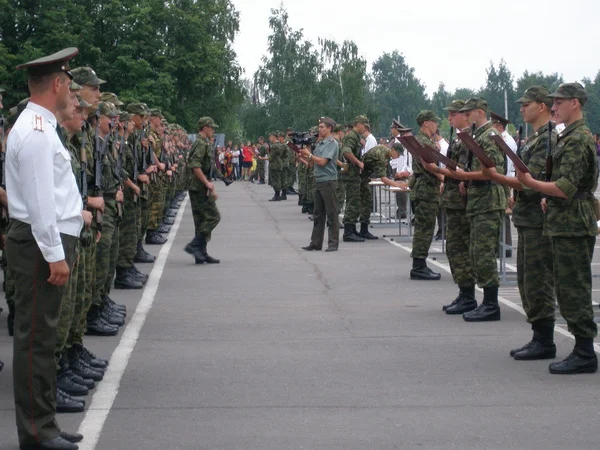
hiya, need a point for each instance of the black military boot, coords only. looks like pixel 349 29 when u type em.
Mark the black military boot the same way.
pixel 138 273
pixel 121 308
pixel 304 209
pixel 93 361
pixel 420 271
pixel 541 345
pixel 98 327
pixel 67 404
pixel 163 229
pixel 80 367
pixel 171 213
pixel 1 366
pixel 124 280
pixel 154 238
pixel 194 248
pixel 168 221
pixel 111 316
pixel 300 200
pixel 10 320
pixel 64 380
pixel 283 195
pixel 582 359
pixel 209 259
pixel 489 310
pixel 452 303
pixel 142 256
pixel 364 232
pixel 276 197
pixel 291 191
pixel 350 234
pixel 466 301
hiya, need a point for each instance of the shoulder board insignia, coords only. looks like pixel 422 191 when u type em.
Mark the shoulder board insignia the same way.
pixel 38 122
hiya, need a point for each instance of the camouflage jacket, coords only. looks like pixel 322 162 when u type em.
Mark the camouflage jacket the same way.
pixel 200 157
pixel 574 170
pixel 278 159
pixel 376 162
pixel 527 211
pixel 486 196
pixel 351 144
pixel 451 197
pixel 427 185
pixel 75 161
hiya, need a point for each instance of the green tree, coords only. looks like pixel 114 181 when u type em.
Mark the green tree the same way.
pixel 440 100
pixel 500 82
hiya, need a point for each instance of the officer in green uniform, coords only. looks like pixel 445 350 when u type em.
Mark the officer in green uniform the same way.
pixel 203 196
pixel 570 223
pixel 534 251
pixel 425 194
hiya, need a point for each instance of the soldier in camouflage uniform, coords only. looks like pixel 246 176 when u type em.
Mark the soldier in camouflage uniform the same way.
pixel 338 133
pixel 277 163
pixel 485 207
pixel 156 199
pixel 534 251
pixel 202 192
pixel 290 176
pixel 351 149
pixel 425 194
pixel 458 226
pixel 261 159
pixel 571 224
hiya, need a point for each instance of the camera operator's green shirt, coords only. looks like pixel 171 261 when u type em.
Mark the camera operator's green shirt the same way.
pixel 327 148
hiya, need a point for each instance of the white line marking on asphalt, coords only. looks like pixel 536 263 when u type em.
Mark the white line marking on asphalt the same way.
pixel 501 299
pixel 103 399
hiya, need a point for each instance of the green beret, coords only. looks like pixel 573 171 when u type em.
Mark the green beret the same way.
pixel 571 90
pixel 475 103
pixel 538 94
pixel 362 119
pixel 206 122
pixel 137 108
pixel 112 98
pixel 86 76
pixel 455 106
pixel 426 115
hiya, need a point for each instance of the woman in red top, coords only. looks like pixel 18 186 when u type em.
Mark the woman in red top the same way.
pixel 247 164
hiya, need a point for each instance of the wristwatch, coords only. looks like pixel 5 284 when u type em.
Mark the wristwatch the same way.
pixel 310 157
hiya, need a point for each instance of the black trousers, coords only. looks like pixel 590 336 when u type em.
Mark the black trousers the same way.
pixel 326 210
pixel 37 309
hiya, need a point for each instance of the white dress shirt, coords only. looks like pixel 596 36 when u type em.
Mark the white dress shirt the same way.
pixel 40 184
pixel 370 142
pixel 512 144
pixel 404 161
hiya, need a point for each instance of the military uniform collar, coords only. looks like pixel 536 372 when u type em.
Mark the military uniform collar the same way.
pixel 570 128
pixel 41 111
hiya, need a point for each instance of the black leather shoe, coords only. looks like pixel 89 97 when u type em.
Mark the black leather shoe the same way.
pixel 168 221
pixel 514 351
pixel 82 381
pixel 66 384
pixel 90 358
pixel 331 249
pixel 122 308
pixel 352 237
pixel 365 233
pixel 71 437
pixel 142 256
pixel 81 368
pixel 163 229
pixel 463 306
pixel 58 443
pixel 155 239
pixel 484 313
pixel 283 196
pixel 194 249
pixel 311 248
pixel 142 277
pixel 97 327
pixel 452 303
pixel 210 260
pixel 424 273
pixel 574 364
pixel 126 281
pixel 67 404
pixel 538 350
pixel 171 213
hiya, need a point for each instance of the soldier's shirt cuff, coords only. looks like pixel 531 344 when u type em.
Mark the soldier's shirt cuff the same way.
pixel 567 187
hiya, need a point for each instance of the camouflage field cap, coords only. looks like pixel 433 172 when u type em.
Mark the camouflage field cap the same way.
pixel 137 108
pixel 83 103
pixel 111 98
pixel 362 119
pixel 571 90
pixel 16 111
pixel 398 147
pixel 272 133
pixel 125 117
pixel 155 112
pixel 329 121
pixel 86 76
pixel 107 109
pixel 339 128
pixel 282 134
pixel 426 115
pixel 539 94
pixel 398 126
pixel 206 122
pixel 455 106
pixel 476 103
pixel 75 87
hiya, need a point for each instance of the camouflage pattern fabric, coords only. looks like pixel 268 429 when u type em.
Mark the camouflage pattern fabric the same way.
pixel 376 162
pixel 427 185
pixel 302 179
pixel 451 197
pixel 129 228
pixel 76 330
pixel 104 248
pixel 351 179
pixel 425 217
pixel 366 200
pixel 156 203
pixel 458 247
pixel 277 179
pixel 205 213
pixel 67 309
pixel 310 186
pixel 485 236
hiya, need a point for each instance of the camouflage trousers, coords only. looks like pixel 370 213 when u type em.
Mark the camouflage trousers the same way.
pixel 85 287
pixel 157 203
pixel 341 195
pixel 66 316
pixel 485 236
pixel 270 174
pixel 205 212
pixel 128 230
pixel 535 274
pixel 352 188
pixel 366 201
pixel 573 282
pixel 457 247
pixel 290 176
pixel 302 179
pixel 260 170
pixel 425 216
pixel 144 217
pixel 106 250
pixel 277 178
pixel 170 186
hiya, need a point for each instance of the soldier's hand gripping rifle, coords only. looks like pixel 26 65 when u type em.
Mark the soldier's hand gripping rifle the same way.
pixel 119 168
pixel 98 166
pixel 163 157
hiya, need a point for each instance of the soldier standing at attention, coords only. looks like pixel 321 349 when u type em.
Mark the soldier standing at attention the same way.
pixel 276 166
pixel 426 197
pixel 571 224
pixel 351 149
pixel 203 196
pixel 46 220
pixel 534 251
pixel 260 160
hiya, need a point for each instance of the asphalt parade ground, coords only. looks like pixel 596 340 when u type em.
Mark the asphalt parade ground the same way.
pixel 278 348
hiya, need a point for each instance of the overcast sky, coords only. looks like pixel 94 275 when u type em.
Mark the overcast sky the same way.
pixel 449 41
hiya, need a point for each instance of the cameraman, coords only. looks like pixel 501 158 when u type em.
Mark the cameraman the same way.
pixel 324 160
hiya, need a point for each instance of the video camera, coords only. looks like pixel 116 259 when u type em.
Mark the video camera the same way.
pixel 305 138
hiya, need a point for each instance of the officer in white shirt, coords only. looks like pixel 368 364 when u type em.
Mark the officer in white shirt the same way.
pixel 370 141
pixel 403 166
pixel 46 219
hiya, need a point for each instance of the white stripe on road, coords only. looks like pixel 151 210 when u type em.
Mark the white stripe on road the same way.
pixel 502 300
pixel 103 399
